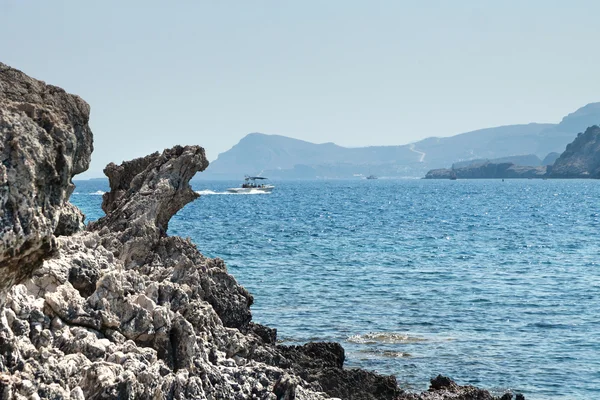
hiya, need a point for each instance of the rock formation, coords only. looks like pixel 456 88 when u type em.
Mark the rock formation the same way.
pixel 120 310
pixel 44 140
pixel 581 159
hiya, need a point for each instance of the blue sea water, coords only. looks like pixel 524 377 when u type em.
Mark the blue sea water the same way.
pixel 492 283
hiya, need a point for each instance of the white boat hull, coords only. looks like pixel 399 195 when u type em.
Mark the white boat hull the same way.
pixel 266 189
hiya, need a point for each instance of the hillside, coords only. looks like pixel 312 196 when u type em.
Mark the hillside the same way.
pixel 581 159
pixel 287 158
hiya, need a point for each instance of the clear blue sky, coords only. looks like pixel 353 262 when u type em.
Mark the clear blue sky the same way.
pixel 356 73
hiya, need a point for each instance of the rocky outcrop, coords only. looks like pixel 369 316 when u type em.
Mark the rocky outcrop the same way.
pixel 444 388
pixel 581 159
pixel 44 141
pixel 124 311
pixel 120 310
pixel 488 171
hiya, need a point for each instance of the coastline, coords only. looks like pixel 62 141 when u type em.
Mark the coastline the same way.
pixel 119 309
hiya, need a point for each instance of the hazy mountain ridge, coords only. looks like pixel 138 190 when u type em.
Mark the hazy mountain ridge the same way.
pixel 283 157
pixel 581 159
pixel 489 170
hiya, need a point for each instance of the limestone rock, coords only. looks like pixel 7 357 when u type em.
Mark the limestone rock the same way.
pixel 444 388
pixel 44 141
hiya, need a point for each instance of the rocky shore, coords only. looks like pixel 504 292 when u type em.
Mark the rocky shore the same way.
pixel 118 309
pixel 581 159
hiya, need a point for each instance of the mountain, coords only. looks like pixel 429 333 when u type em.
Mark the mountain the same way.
pixel 278 156
pixel 282 156
pixel 578 121
pixel 550 158
pixel 581 159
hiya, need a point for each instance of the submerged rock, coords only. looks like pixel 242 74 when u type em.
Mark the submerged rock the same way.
pixel 120 310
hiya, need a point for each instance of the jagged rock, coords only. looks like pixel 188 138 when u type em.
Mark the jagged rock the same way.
pixel 70 221
pixel 581 159
pixel 266 334
pixel 44 141
pixel 145 193
pixel 285 387
pixel 444 388
pixel 150 190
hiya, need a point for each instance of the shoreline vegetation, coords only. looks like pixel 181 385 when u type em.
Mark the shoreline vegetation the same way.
pixel 118 309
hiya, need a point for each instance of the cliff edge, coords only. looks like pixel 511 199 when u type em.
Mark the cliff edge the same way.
pixel 44 141
pixel 581 159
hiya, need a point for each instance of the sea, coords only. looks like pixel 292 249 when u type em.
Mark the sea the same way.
pixel 492 283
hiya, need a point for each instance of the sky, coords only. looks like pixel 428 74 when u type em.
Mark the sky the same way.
pixel 355 73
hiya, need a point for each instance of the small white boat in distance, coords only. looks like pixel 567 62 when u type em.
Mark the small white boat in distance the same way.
pixel 251 186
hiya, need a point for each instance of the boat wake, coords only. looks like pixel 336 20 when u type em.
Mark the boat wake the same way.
pixel 212 192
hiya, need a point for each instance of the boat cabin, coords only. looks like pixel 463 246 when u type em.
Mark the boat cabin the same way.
pixel 250 182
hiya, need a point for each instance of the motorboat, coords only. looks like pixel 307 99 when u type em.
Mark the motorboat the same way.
pixel 371 177
pixel 251 185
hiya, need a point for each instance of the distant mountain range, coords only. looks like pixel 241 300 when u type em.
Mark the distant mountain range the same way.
pixel 281 157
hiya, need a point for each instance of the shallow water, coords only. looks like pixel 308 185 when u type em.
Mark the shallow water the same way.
pixel 492 283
